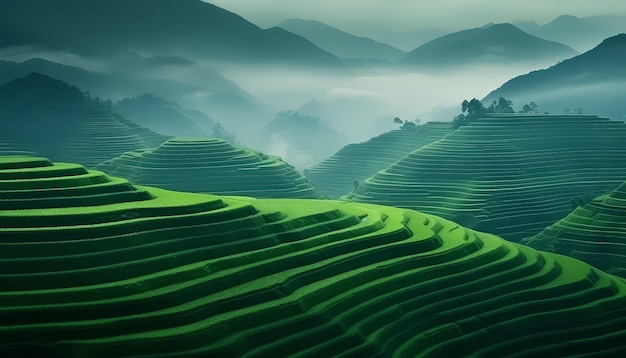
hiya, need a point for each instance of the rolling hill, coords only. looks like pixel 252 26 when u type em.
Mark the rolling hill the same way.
pixel 511 175
pixel 340 43
pixel 336 175
pixel 572 31
pixel 163 116
pixel 594 232
pixel 211 165
pixel 594 81
pixel 191 28
pixel 96 267
pixel 47 116
pixel 498 43
pixel 140 78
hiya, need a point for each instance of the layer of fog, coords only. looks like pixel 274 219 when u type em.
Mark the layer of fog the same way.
pixel 363 105
pixel 352 105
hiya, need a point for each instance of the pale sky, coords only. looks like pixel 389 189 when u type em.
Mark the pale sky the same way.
pixel 412 14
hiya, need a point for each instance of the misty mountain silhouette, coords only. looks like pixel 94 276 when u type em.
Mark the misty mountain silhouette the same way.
pixel 161 27
pixel 342 44
pixel 500 43
pixel 162 116
pixel 569 30
pixel 51 95
pixel 125 84
pixel 594 80
pixel 46 115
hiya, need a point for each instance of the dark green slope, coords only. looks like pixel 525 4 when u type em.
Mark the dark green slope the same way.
pixel 43 115
pixel 163 116
pixel 499 43
pixel 340 43
pixel 594 233
pixel 95 267
pixel 594 81
pixel 191 28
pixel 511 175
pixel 335 176
pixel 211 165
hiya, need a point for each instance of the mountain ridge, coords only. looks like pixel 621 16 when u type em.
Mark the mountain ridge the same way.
pixel 341 43
pixel 492 43
pixel 188 27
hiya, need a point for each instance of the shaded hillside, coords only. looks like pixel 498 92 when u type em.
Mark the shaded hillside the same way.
pixel 97 267
pixel 499 43
pixel 162 116
pixel 47 116
pixel 340 43
pixel 511 175
pixel 193 28
pixel 221 95
pixel 335 176
pixel 594 81
pixel 211 165
pixel 594 232
pixel 571 31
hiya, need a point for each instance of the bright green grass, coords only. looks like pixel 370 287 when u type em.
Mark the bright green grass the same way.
pixel 187 275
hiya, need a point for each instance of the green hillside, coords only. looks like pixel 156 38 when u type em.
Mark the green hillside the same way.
pixel 211 165
pixel 95 267
pixel 43 115
pixel 511 175
pixel 335 176
pixel 594 233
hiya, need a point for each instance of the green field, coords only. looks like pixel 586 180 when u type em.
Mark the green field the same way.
pixel 212 165
pixel 92 266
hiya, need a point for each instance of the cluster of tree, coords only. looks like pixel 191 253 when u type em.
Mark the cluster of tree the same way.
pixel 106 103
pixel 503 105
pixel 406 125
pixel 473 109
pixel 470 110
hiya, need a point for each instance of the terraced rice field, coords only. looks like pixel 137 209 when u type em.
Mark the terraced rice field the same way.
pixel 511 175
pixel 211 165
pixel 594 233
pixel 88 141
pixel 92 266
pixel 335 176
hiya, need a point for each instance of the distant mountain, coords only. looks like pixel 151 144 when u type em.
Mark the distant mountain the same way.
pixel 594 81
pixel 499 43
pixel 122 84
pixel 217 96
pixel 614 23
pixel 403 40
pixel 340 43
pixel 572 31
pixel 162 116
pixel 191 28
pixel 49 117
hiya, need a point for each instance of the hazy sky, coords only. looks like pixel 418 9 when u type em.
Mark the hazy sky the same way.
pixel 411 14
